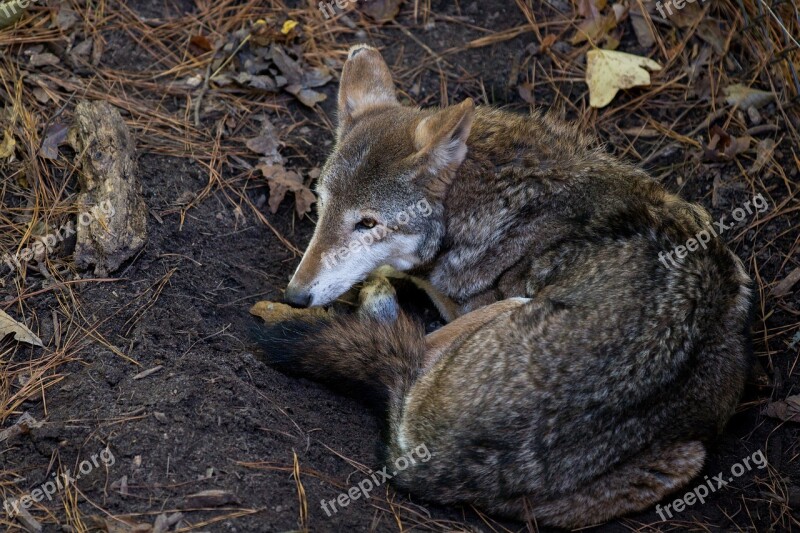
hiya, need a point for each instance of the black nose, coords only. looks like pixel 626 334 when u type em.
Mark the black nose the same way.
pixel 297 297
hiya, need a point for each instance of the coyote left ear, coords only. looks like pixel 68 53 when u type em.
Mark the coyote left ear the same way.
pixel 441 139
pixel 366 83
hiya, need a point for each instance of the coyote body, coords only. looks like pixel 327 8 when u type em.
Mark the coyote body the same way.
pixel 582 375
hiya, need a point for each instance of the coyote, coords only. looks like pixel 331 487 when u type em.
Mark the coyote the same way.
pixel 578 378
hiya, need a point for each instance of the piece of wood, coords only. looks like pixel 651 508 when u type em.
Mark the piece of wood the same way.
pixel 112 222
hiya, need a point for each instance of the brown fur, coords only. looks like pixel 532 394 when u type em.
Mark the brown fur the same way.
pixel 590 399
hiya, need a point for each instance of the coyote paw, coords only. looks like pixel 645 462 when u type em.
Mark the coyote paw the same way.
pixel 274 312
pixel 378 299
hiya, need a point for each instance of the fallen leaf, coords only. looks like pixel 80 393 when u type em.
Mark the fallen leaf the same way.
pixel 7 145
pixel 787 410
pixel 9 326
pixel 41 60
pixel 288 26
pixel 55 137
pixel 201 42
pixel 786 284
pixel 764 151
pixel 266 144
pixel 526 93
pixel 382 10
pixel 644 34
pixel 282 181
pixel 303 200
pixel 608 71
pixel 688 16
pixel 710 32
pixel 593 30
pixel 308 97
pixel 66 18
pixel 746 97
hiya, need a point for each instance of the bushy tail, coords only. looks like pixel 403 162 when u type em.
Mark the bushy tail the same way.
pixel 370 359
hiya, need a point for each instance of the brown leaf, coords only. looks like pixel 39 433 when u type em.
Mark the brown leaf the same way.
pixel 267 143
pixel 66 18
pixel 593 30
pixel 382 10
pixel 55 137
pixel 644 34
pixel 764 151
pixel 710 32
pixel 787 410
pixel 786 284
pixel 201 42
pixel 526 93
pixel 303 200
pixel 41 60
pixel 686 17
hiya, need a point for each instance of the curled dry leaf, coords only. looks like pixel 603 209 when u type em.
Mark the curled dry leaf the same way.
pixel 9 326
pixel 382 10
pixel 746 97
pixel 787 410
pixel 56 136
pixel 608 71
pixel 282 181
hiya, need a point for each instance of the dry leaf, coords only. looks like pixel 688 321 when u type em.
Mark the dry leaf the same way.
pixel 710 32
pixel 382 10
pixel 202 42
pixel 608 71
pixel 282 181
pixel 272 312
pixel 9 326
pixel 66 18
pixel 7 145
pixel 786 284
pixel 644 34
pixel 55 137
pixel 526 92
pixel 787 410
pixel 745 97
pixel 41 60
pixel 593 30
pixel 764 151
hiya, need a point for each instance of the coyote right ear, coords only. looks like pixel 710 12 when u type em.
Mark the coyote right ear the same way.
pixel 366 83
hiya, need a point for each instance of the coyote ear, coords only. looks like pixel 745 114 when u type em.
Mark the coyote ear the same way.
pixel 441 139
pixel 366 83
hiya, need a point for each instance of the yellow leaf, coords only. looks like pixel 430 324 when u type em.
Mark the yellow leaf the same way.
pixel 608 71
pixel 288 26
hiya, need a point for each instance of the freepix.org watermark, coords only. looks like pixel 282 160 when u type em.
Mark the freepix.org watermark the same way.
pixel 700 492
pixel 12 8
pixel 367 485
pixel 61 481
pixel 758 204
pixel 665 9
pixel 366 239
pixel 46 244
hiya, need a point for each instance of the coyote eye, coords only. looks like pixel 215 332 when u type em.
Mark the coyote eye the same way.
pixel 366 223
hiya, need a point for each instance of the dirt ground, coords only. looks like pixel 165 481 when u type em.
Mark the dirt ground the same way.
pixel 212 415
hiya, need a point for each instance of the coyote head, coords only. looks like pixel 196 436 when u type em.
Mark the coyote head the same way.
pixel 381 190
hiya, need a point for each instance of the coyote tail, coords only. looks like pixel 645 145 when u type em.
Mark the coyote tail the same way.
pixel 373 360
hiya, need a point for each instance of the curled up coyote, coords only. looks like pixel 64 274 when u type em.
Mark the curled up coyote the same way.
pixel 578 378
